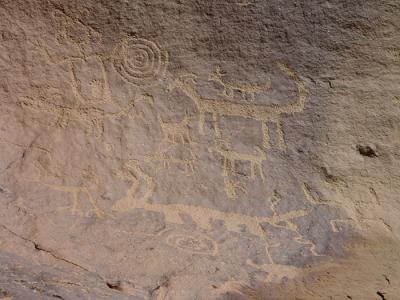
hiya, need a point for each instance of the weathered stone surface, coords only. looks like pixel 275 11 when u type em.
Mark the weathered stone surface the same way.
pixel 199 149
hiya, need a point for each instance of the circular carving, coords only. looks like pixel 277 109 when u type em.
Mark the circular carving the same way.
pixel 193 243
pixel 139 61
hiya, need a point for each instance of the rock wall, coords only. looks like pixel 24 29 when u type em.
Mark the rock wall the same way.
pixel 187 149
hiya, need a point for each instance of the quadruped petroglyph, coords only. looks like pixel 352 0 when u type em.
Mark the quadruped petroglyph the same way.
pixel 143 186
pixel 92 116
pixel 80 192
pixel 247 90
pixel 176 131
pixel 259 112
pixel 231 157
pixel 140 61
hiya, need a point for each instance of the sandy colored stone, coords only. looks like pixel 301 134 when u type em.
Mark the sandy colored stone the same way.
pixel 190 149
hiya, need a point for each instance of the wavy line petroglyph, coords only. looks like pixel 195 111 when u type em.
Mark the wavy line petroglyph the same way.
pixel 140 61
pixel 258 112
pixel 247 90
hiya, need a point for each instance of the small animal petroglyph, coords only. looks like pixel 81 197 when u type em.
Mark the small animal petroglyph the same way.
pixel 140 61
pixel 77 192
pixel 247 90
pixel 276 272
pixel 258 112
pixel 231 157
pixel 183 159
pixel 172 130
pixel 91 116
pixel 231 187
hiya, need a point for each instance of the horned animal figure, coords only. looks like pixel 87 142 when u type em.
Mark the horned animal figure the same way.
pixel 260 112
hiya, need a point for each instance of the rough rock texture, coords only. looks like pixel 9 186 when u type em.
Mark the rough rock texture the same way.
pixel 198 149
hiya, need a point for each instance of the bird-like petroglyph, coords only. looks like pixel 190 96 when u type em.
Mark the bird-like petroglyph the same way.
pixel 258 112
pixel 140 61
pixel 247 90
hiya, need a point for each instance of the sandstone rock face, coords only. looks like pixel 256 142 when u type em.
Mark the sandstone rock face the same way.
pixel 188 149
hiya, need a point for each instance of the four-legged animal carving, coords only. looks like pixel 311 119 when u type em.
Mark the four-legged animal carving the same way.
pixel 258 112
pixel 230 157
pixel 247 90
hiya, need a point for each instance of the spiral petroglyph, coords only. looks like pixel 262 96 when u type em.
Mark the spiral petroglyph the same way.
pixel 140 61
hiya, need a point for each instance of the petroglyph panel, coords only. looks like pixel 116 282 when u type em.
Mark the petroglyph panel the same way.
pixel 147 146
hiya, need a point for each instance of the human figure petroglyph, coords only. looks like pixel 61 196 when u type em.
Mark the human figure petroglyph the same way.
pixel 140 61
pixel 247 90
pixel 258 112
pixel 172 130
pixel 231 157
